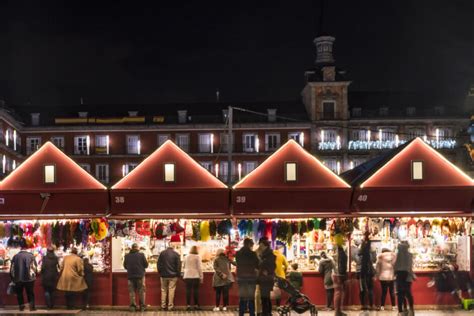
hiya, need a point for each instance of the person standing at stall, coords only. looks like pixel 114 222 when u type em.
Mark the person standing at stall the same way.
pixel 258 297
pixel 266 277
pixel 222 279
pixel 367 273
pixel 135 263
pixel 49 276
pixel 386 275
pixel 71 279
pixel 339 277
pixel 169 268
pixel 281 267
pixel 89 278
pixel 404 277
pixel 247 267
pixel 23 271
pixel 326 267
pixel 193 276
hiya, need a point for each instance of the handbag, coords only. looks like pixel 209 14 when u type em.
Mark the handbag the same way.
pixel 11 288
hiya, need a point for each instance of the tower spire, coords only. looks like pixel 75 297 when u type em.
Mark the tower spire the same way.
pixel 324 43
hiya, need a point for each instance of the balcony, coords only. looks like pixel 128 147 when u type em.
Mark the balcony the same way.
pixel 329 115
pixel 368 145
pixel 329 145
pixel 80 150
pixel 442 144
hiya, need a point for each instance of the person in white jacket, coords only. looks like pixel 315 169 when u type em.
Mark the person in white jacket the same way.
pixel 386 275
pixel 193 276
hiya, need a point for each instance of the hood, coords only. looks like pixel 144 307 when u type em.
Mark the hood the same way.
pixel 386 256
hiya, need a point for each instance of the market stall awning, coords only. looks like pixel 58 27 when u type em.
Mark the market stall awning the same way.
pixel 51 183
pixel 288 183
pixel 413 178
pixel 168 183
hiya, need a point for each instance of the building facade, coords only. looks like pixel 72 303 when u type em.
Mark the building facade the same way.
pixel 340 127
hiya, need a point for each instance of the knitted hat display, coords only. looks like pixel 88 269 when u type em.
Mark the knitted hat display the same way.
pixel 224 227
pixel 282 229
pixel 2 230
pixel 178 228
pixel 196 231
pixel 204 231
pixel 303 228
pixel 159 231
pixel 322 224
pixel 268 230
pixel 255 230
pixel 274 231
pixel 316 223
pixel 294 228
pixel 249 227
pixel 310 224
pixel 261 229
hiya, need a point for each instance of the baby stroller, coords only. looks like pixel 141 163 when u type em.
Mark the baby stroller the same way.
pixel 297 301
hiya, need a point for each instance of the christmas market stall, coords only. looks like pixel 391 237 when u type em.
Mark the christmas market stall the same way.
pixel 300 205
pixel 168 199
pixel 414 194
pixel 50 201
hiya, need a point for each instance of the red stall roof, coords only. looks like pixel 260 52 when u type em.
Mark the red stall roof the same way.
pixel 190 190
pixel 312 188
pixel 411 178
pixel 70 189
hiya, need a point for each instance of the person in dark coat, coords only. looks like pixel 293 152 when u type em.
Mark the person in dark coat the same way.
pixel 49 276
pixel 89 278
pixel 23 271
pixel 266 277
pixel 247 266
pixel 326 266
pixel 367 273
pixel 135 263
pixel 169 268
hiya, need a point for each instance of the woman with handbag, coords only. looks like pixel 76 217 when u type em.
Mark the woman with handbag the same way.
pixel 222 279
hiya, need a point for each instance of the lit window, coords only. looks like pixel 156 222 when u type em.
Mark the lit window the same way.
pixel 290 171
pixel 102 172
pixel 133 144
pixel 417 170
pixel 169 172
pixel 49 174
pixel 205 143
pixel 102 144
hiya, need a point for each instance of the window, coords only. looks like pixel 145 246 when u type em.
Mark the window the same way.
pixel 272 141
pixel 128 167
pixel 32 144
pixel 86 167
pixel 290 171
pixel 225 142
pixel 417 170
pixel 383 111
pixel 439 110
pixel 8 136
pixel 102 172
pixel 250 143
pixel 388 134
pixel 205 143
pixel 329 110
pixel 356 112
pixel 50 174
pixel 81 145
pixel 133 144
pixel 443 133
pixel 162 138
pixel 411 111
pixel 207 165
pixel 223 170
pixel 102 144
pixel 416 132
pixel 331 164
pixel 182 140
pixel 249 166
pixel 170 175
pixel 58 141
pixel 359 135
pixel 295 136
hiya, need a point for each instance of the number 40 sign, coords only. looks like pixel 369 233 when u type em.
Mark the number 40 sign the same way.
pixel 362 198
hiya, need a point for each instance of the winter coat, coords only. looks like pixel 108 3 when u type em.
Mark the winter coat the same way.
pixel 247 264
pixel 404 262
pixel 340 263
pixel 71 277
pixel 50 270
pixel 281 264
pixel 367 260
pixel 326 266
pixel 266 270
pixel 192 267
pixel 89 274
pixel 296 279
pixel 23 267
pixel 169 264
pixel 135 263
pixel 384 267
pixel 222 273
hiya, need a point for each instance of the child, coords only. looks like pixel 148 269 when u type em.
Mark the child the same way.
pixel 295 277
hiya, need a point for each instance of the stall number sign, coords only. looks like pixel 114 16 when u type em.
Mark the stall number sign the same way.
pixel 362 198
pixel 240 199
pixel 2 200
pixel 119 199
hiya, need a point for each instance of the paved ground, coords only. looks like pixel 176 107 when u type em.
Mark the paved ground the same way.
pixel 210 313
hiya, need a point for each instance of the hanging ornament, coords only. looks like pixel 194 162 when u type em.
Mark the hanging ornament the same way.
pixel 213 228
pixel 242 227
pixel 204 231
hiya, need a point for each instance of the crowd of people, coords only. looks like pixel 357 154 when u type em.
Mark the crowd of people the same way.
pixel 257 275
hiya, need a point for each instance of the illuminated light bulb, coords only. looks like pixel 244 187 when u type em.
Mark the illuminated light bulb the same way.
pixel 322 136
pixel 338 142
pixel 351 165
pixel 139 147
pixel 107 143
pixel 257 144
pixel 302 139
pixel 212 143
pixel 216 169
pixel 397 140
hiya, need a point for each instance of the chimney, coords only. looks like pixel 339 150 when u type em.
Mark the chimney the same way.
pixel 182 116
pixel 35 119
pixel 82 114
pixel 225 114
pixel 324 46
pixel 132 113
pixel 272 115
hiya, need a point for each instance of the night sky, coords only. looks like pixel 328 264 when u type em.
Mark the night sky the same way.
pixel 52 53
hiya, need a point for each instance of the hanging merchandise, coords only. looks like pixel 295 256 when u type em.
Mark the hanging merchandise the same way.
pixel 143 228
pixel 274 231
pixel 268 230
pixel 213 228
pixel 224 227
pixel 322 224
pixel 55 235
pixel 310 224
pixel 303 228
pixel 2 230
pixel 242 227
pixel 282 229
pixel 249 227
pixel 255 230
pixel 204 231
pixel 102 232
pixel 196 231
pixel 159 231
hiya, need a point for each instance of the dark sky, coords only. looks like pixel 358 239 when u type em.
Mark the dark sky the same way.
pixel 147 52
